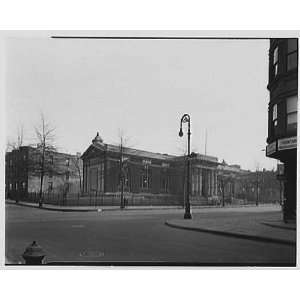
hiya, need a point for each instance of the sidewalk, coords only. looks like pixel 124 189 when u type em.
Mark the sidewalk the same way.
pixel 53 207
pixel 129 208
pixel 268 229
pixel 87 208
pixel 117 207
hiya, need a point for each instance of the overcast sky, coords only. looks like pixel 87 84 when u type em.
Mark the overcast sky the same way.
pixel 143 87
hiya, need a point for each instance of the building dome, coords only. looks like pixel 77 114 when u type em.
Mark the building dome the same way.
pixel 97 139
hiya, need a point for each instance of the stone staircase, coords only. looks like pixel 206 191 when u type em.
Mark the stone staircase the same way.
pixel 198 200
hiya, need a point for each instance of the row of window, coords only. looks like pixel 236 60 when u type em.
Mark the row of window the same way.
pixel 145 179
pixel 96 180
pixel 291 114
pixel 291 57
pixel 10 163
pixel 18 185
pixel 67 162
pixel 22 186
pixel 51 161
pixel 67 175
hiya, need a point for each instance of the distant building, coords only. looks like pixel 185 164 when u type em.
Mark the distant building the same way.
pixel 22 176
pixel 282 124
pixel 238 186
pixel 230 184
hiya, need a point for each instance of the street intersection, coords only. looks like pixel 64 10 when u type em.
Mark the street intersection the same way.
pixel 141 237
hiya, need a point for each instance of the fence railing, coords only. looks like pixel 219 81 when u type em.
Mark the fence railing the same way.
pixel 104 199
pixel 134 199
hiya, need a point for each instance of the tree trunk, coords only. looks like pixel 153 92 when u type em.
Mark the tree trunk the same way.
pixel 122 192
pixel 42 176
pixel 223 195
pixel 41 190
pixel 80 187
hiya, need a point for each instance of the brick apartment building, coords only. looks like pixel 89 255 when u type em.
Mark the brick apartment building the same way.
pixel 62 173
pixel 283 107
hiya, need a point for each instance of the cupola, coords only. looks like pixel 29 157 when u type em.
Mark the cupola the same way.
pixel 97 139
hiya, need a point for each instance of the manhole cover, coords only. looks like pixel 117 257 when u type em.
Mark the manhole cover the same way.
pixel 91 253
pixel 77 226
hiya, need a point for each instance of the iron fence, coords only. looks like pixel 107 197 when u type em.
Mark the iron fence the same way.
pixel 103 199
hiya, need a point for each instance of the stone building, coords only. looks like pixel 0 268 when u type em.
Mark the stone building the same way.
pixel 147 174
pixel 283 107
pixel 62 173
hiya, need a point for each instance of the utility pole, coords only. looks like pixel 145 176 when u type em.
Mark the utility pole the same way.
pixel 205 150
pixel 121 175
pixel 257 189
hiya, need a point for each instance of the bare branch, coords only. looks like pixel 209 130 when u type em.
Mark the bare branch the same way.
pixel 18 142
pixel 45 146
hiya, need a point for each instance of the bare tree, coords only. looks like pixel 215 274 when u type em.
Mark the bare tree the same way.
pixel 257 167
pixel 123 163
pixel 223 180
pixel 43 162
pixel 78 169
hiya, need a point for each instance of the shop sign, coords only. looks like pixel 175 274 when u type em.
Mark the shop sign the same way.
pixel 287 143
pixel 271 148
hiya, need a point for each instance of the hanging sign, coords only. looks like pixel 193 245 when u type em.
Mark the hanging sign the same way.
pixel 271 148
pixel 287 143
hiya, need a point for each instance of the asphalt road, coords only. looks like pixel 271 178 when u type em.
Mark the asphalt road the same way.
pixel 135 237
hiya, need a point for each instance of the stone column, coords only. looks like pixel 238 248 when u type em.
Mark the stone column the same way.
pixel 216 183
pixel 200 181
pixel 87 173
pixel 213 182
pixel 192 182
pixel 196 181
pixel 209 182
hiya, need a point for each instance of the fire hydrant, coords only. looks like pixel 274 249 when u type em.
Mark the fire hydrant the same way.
pixel 34 254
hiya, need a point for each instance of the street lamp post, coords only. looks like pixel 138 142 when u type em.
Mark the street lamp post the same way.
pixel 257 188
pixel 186 119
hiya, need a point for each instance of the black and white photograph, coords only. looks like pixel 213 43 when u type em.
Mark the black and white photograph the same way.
pixel 150 149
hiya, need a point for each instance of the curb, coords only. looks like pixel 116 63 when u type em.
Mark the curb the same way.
pixel 279 226
pixel 102 208
pixel 69 209
pixel 232 234
pixel 54 208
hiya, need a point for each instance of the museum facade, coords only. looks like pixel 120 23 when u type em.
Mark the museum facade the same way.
pixel 142 173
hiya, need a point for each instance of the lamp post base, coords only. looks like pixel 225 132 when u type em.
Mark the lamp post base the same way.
pixel 187 215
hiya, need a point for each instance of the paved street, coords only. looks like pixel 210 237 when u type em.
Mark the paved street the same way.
pixel 139 236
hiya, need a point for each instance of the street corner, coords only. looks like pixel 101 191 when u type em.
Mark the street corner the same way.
pixel 189 224
pixel 247 232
